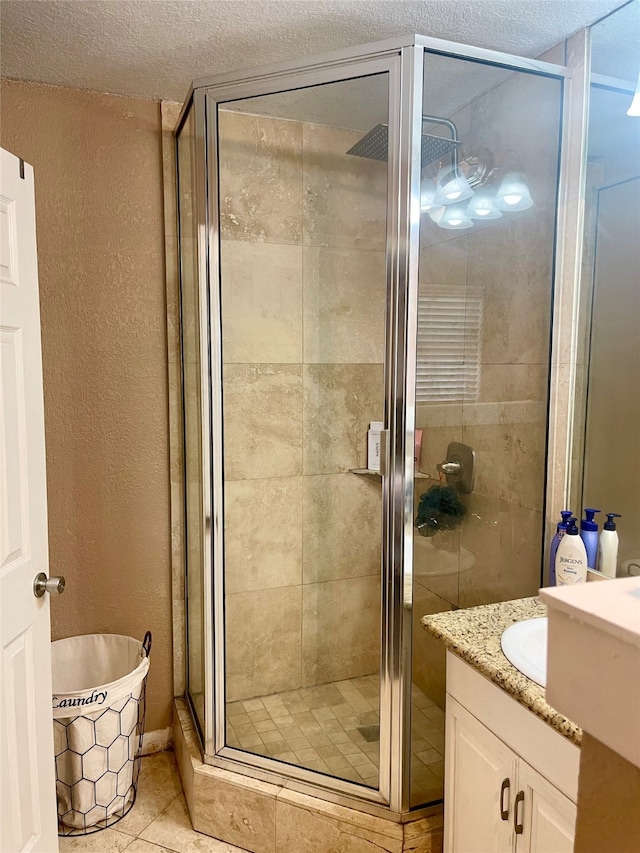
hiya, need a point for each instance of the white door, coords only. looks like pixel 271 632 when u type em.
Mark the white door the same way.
pixel 28 802
pixel 480 786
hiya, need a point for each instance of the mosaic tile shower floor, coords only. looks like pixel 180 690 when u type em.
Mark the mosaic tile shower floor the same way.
pixel 335 728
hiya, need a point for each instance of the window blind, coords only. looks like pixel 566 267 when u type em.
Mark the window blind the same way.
pixel 449 343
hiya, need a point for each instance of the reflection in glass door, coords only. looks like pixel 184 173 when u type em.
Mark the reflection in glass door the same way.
pixel 488 205
pixel 302 305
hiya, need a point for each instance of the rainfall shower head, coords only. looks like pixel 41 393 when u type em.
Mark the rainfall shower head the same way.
pixel 375 144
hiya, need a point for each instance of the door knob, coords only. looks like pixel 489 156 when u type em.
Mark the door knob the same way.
pixel 42 584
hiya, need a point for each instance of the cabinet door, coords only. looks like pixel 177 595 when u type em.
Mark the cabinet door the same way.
pixel 477 765
pixel 547 817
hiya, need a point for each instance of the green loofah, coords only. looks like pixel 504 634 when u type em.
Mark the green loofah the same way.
pixel 439 509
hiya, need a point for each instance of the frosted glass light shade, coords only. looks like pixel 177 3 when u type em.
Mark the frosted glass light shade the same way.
pixel 513 193
pixel 427 194
pixel 482 206
pixel 453 187
pixel 455 218
pixel 436 213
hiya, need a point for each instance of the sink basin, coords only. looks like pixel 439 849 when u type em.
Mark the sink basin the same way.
pixel 525 646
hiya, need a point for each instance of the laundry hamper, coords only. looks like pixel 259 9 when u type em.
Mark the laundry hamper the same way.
pixel 99 685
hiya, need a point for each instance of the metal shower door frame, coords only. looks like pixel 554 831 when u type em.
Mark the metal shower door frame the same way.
pixel 403 60
pixel 393 62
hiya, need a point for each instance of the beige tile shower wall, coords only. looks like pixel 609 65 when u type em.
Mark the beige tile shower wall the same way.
pixel 303 293
pixel 98 174
pixel 511 260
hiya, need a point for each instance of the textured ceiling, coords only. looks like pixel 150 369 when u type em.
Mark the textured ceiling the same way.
pixel 615 44
pixel 154 48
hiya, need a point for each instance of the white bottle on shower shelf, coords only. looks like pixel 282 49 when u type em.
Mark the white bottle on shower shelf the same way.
pixel 571 557
pixel 373 445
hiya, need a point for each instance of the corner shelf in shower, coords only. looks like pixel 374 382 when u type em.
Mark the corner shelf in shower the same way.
pixel 418 475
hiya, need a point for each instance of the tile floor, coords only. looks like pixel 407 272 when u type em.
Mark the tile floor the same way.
pixel 158 822
pixel 335 728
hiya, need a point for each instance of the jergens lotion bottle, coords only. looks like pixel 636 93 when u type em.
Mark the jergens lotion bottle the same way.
pixel 571 557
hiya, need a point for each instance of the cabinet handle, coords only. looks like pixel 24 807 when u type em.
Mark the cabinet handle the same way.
pixel 504 813
pixel 519 826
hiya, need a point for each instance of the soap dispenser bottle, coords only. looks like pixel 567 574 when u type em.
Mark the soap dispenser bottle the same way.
pixel 589 535
pixel 571 557
pixel 560 531
pixel 608 546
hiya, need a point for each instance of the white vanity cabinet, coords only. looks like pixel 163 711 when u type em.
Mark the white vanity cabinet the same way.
pixel 510 779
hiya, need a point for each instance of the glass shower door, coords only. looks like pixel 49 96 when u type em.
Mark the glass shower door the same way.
pixel 488 210
pixel 193 374
pixel 302 346
pixel 329 292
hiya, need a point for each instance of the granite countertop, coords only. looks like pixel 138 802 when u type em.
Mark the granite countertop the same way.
pixel 474 635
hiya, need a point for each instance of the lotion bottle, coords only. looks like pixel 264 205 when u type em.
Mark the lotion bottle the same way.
pixel 589 535
pixel 571 557
pixel 608 546
pixel 560 531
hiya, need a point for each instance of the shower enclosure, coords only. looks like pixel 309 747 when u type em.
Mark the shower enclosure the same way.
pixel 364 237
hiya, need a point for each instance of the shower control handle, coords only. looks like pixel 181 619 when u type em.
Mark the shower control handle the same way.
pixel 459 466
pixel 449 467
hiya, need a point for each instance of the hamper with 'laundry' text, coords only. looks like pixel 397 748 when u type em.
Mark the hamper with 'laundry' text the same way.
pixel 99 686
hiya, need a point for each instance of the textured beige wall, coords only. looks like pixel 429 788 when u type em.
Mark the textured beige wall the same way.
pixel 613 407
pixel 608 817
pixel 98 184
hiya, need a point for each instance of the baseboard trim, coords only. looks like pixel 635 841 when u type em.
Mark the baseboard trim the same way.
pixel 157 741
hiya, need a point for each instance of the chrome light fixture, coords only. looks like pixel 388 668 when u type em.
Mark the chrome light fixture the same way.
pixel 465 190
pixel 513 193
